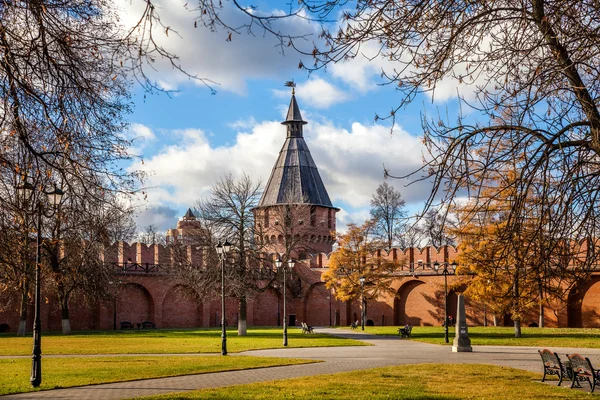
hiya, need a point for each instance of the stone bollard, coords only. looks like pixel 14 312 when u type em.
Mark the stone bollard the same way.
pixel 461 338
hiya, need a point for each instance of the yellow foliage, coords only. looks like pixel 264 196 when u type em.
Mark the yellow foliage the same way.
pixel 358 255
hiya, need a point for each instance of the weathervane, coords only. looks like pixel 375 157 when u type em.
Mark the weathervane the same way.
pixel 291 84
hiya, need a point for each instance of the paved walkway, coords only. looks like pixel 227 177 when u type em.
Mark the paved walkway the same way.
pixel 386 351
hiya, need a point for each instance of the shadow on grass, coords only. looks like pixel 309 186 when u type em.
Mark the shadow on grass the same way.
pixel 261 333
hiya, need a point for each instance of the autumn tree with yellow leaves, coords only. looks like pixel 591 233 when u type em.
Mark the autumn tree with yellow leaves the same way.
pixel 516 266
pixel 358 255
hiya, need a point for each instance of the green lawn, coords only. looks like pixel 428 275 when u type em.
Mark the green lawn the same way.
pixel 68 372
pixel 503 336
pixel 163 341
pixel 423 381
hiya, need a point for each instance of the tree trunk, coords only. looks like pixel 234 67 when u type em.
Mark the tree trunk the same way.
pixel 516 305
pixel 541 319
pixel 495 320
pixel 66 322
pixel 22 329
pixel 243 308
pixel 517 327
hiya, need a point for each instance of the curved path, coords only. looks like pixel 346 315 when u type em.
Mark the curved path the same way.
pixel 384 352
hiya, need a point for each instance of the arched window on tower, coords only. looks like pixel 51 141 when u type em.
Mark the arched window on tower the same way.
pixel 266 217
pixel 313 215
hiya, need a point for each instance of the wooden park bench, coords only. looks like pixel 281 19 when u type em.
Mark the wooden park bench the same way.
pixel 583 371
pixel 126 325
pixel 554 366
pixel 354 325
pixel 306 328
pixel 148 325
pixel 405 332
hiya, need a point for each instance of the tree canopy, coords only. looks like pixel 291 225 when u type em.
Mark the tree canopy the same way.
pixel 527 73
pixel 515 269
pixel 357 256
pixel 387 211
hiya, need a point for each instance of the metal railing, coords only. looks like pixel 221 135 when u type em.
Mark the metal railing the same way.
pixel 419 268
pixel 128 267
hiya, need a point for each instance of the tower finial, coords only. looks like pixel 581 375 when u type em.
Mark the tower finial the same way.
pixel 291 84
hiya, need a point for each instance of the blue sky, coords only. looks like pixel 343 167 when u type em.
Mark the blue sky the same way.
pixel 192 138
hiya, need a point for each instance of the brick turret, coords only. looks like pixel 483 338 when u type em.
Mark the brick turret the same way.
pixel 189 230
pixel 295 196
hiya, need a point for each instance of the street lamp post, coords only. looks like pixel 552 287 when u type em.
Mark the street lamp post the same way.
pixel 222 250
pixel 280 264
pixel 278 312
pixel 115 288
pixel 115 313
pixel 485 304
pixel 329 298
pixel 362 302
pixel 54 197
pixel 445 272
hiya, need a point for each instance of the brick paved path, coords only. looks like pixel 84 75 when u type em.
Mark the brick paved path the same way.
pixel 386 351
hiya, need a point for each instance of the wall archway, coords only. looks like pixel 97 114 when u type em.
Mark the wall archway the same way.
pixel 180 309
pixel 583 305
pixel 317 305
pixel 408 299
pixel 134 304
pixel 418 303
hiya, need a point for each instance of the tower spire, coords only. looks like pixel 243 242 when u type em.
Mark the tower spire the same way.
pixel 295 178
pixel 293 119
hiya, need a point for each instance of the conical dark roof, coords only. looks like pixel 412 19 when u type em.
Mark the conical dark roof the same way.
pixel 295 178
pixel 293 114
pixel 189 214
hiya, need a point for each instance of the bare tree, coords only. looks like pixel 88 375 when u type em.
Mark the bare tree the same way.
pixel 434 228
pixel 63 92
pixel 17 263
pixel 412 234
pixel 529 69
pixel 150 235
pixel 226 215
pixel 387 210
pixel 73 263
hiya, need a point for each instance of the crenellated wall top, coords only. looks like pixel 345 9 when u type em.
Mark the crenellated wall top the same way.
pixel 142 253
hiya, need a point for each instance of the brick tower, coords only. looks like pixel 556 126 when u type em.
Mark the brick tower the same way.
pixel 295 214
pixel 189 230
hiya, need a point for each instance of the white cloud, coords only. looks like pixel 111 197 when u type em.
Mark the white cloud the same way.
pixel 182 173
pixel 361 72
pixel 345 218
pixel 141 136
pixel 207 53
pixel 243 123
pixel 317 92
pixel 349 161
pixel 140 131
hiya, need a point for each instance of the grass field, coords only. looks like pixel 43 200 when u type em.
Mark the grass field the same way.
pixel 502 336
pixel 407 382
pixel 415 382
pixel 68 372
pixel 163 341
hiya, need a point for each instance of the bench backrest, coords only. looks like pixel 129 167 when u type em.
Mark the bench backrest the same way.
pixel 581 365
pixel 550 358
